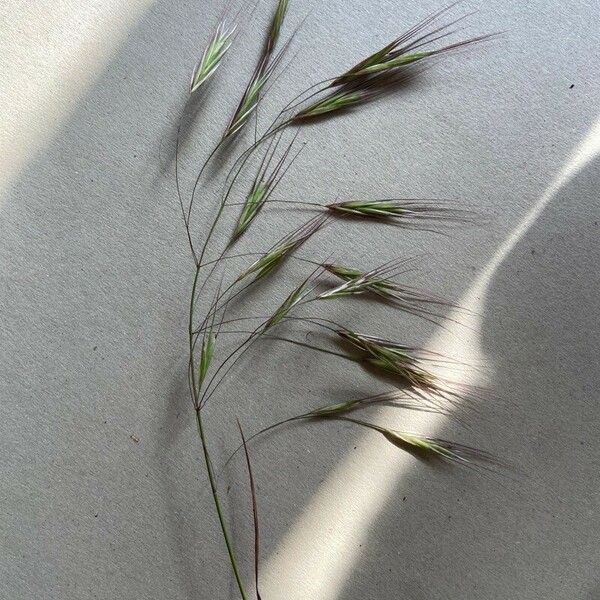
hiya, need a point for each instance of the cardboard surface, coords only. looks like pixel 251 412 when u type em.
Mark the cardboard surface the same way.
pixel 102 485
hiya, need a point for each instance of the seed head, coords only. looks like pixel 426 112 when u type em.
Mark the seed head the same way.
pixel 275 28
pixel 274 257
pixel 403 361
pixel 333 102
pixel 436 448
pixel 411 47
pixel 213 55
pixel 252 94
pixel 379 282
pixel 254 202
pixel 356 282
pixel 262 73
pixel 289 303
pixel 413 214
pixel 429 447
pixel 265 182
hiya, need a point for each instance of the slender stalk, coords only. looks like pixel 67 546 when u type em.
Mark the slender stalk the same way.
pixel 215 495
pixel 202 435
pixel 183 212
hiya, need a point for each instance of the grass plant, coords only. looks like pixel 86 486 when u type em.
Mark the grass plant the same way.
pixel 409 372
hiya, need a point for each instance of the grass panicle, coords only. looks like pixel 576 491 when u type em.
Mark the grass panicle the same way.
pixel 264 184
pixel 415 375
pixel 252 95
pixel 376 281
pixel 213 55
pixel 403 361
pixel 402 58
pixel 294 299
pixel 340 409
pixel 408 49
pixel 267 64
pixel 351 95
pixel 406 213
pixel 275 28
pixel 379 282
pixel 406 43
pixel 385 70
pixel 429 447
pixel 282 249
pixel 414 369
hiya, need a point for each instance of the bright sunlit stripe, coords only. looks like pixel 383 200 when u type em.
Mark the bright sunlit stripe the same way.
pixel 50 55
pixel 316 557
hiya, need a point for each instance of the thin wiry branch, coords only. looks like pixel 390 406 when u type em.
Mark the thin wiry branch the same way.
pixel 254 511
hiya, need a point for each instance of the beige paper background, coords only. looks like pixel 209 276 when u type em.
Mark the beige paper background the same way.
pixel 94 278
